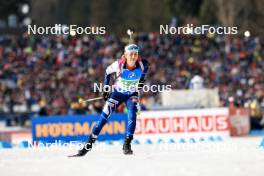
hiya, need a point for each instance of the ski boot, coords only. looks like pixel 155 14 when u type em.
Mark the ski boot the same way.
pixel 127 145
pixel 86 148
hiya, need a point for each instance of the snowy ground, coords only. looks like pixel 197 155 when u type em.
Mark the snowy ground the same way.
pixel 236 157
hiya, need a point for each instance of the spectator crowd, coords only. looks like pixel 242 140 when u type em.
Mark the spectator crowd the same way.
pixel 52 72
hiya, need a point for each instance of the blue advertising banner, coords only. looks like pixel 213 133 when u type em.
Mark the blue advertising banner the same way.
pixel 76 127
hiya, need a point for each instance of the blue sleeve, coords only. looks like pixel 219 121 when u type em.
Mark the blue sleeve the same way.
pixel 107 79
pixel 145 71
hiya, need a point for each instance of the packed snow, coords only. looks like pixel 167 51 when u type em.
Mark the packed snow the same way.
pixel 234 157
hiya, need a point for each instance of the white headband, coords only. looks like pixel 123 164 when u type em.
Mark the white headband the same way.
pixel 131 48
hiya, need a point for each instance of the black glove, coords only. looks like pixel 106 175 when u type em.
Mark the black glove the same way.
pixel 106 92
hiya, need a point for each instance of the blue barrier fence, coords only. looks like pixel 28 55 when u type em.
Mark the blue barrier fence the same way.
pixel 76 127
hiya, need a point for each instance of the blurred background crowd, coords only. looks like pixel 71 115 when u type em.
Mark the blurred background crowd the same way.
pixel 53 72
